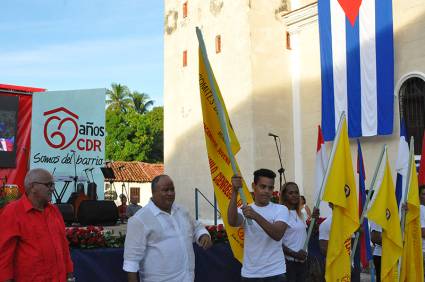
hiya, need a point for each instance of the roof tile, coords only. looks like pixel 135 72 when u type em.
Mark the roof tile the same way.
pixel 135 171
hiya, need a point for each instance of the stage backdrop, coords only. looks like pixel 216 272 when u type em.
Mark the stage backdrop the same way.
pixel 68 136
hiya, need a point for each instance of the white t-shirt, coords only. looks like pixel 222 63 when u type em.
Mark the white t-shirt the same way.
pixel 296 233
pixel 377 251
pixel 423 226
pixel 325 228
pixel 263 256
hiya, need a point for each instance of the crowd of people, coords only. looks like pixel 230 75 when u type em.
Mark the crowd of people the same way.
pixel 158 245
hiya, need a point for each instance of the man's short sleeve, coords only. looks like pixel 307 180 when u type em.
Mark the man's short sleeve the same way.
pixel 135 244
pixel 283 214
pixel 324 230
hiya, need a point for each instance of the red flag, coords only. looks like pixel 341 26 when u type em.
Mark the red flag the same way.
pixel 421 176
pixel 321 164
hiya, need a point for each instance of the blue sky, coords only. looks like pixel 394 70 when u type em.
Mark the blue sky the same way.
pixel 78 44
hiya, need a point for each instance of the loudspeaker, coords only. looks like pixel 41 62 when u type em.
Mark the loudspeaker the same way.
pixel 92 191
pixel 92 212
pixel 108 173
pixel 72 198
pixel 67 211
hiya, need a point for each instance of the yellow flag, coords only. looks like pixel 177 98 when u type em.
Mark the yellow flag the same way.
pixel 340 189
pixel 219 161
pixel 384 212
pixel 412 259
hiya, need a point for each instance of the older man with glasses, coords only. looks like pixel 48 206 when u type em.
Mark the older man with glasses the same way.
pixel 33 245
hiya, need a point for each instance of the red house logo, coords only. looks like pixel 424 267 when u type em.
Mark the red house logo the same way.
pixel 58 120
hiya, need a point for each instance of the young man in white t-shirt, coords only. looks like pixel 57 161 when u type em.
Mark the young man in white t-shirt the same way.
pixel 263 256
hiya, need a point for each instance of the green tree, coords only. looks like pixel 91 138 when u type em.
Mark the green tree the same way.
pixel 135 136
pixel 118 97
pixel 141 102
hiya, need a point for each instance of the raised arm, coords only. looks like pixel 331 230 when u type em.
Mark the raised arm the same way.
pixel 275 230
pixel 233 217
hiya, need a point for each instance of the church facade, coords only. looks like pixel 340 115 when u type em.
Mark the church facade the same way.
pixel 266 59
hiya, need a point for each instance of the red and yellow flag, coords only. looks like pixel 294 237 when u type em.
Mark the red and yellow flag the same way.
pixel 219 160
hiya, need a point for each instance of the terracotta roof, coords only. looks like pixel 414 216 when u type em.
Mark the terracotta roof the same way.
pixel 135 171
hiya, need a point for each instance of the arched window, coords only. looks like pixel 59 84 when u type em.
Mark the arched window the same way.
pixel 412 109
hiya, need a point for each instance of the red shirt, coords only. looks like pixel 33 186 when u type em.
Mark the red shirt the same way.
pixel 122 209
pixel 33 245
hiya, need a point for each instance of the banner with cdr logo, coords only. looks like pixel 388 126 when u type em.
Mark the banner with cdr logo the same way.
pixel 68 136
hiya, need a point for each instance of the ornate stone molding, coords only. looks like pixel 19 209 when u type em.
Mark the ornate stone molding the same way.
pixel 170 21
pixel 299 18
pixel 216 6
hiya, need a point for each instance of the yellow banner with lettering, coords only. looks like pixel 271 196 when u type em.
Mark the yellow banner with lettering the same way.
pixel 219 161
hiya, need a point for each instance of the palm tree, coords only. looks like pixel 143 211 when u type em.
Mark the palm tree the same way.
pixel 141 102
pixel 118 97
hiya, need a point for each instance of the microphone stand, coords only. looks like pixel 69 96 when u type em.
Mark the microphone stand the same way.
pixel 75 171
pixel 91 172
pixel 88 179
pixel 281 170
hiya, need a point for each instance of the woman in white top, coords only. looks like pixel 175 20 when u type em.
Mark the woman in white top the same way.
pixel 295 234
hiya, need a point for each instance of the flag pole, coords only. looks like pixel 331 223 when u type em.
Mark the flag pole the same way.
pixel 331 157
pixel 369 195
pixel 372 270
pixel 220 112
pixel 406 190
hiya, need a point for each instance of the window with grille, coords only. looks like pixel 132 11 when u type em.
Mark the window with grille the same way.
pixel 135 191
pixel 412 109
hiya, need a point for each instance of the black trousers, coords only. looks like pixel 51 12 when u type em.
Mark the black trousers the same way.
pixel 296 271
pixel 377 263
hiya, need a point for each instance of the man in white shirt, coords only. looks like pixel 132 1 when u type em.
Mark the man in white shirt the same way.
pixel 159 238
pixel 263 258
pixel 422 199
pixel 376 238
pixel 324 231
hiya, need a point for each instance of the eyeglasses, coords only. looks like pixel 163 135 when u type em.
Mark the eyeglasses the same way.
pixel 48 184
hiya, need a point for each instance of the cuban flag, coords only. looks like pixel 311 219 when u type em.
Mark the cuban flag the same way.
pixel 357 66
